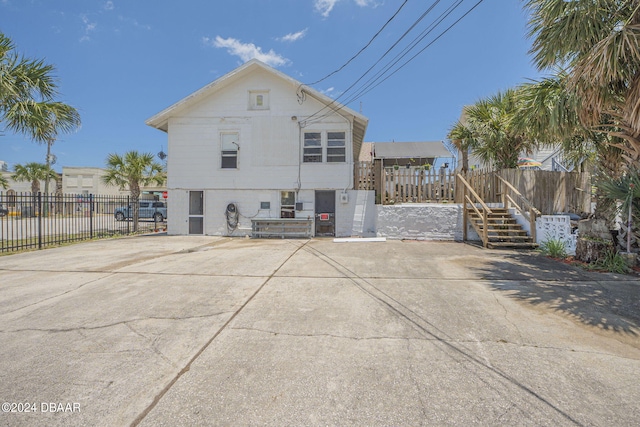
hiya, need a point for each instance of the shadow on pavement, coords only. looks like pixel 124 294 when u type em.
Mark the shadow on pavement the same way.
pixel 604 300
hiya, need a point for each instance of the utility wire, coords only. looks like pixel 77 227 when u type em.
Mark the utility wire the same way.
pixel 408 49
pixel 364 48
pixel 335 101
pixel 369 85
pixel 421 50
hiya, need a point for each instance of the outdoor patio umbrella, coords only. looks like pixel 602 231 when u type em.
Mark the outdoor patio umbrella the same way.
pixel 526 162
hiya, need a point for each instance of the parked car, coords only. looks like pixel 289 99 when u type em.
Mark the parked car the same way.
pixel 147 210
pixel 3 211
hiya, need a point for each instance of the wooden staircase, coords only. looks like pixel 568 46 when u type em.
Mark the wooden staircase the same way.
pixel 495 226
pixel 502 229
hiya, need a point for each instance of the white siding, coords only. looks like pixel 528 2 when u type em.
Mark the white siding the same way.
pixel 269 158
pixel 270 141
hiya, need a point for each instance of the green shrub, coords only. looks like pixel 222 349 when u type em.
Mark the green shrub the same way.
pixel 554 248
pixel 612 262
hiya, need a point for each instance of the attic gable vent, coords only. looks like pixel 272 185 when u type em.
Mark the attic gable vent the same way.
pixel 258 99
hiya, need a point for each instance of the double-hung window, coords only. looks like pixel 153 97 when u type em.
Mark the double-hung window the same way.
pixel 329 147
pixel 312 147
pixel 229 143
pixel 336 150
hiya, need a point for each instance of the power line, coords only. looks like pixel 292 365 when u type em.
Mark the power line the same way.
pixel 421 50
pixel 371 83
pixel 424 14
pixel 364 48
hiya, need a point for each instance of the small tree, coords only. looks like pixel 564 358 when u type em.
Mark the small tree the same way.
pixel 34 172
pixel 130 172
pixel 489 130
pixel 625 191
pixel 463 139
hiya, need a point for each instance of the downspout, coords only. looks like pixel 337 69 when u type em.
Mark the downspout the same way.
pixel 351 180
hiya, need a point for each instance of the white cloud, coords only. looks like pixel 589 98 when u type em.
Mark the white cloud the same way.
pixel 324 7
pixel 133 22
pixel 328 92
pixel 109 5
pixel 89 27
pixel 246 51
pixel 292 37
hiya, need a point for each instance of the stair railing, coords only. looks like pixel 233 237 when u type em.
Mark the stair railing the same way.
pixel 470 196
pixel 527 209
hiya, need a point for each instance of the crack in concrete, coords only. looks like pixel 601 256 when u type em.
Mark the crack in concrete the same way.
pixel 109 325
pixel 506 315
pixel 58 295
pixel 152 344
pixel 325 335
pixel 206 345
pixel 426 328
pixel 414 380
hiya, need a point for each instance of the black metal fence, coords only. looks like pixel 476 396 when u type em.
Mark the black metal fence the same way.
pixel 36 221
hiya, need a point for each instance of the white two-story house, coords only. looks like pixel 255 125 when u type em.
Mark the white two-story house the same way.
pixel 256 144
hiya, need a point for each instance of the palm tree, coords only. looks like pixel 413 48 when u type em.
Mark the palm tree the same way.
pixel 42 120
pixel 27 89
pixel 598 43
pixel 21 80
pixel 463 139
pixel 3 182
pixel 132 171
pixel 489 130
pixel 34 172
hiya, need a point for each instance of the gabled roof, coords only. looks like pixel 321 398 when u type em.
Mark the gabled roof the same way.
pixel 407 150
pixel 161 120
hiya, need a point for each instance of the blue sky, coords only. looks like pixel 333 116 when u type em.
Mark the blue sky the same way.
pixel 119 62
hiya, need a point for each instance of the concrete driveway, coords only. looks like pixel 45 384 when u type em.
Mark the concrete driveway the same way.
pixel 189 331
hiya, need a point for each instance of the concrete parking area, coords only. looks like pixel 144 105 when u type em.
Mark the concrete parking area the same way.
pixel 189 331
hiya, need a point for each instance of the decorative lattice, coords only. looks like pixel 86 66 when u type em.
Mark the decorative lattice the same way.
pixel 557 227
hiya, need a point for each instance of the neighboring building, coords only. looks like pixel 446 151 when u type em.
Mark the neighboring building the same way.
pixel 81 180
pixel 22 186
pixel 4 167
pixel 87 180
pixel 258 144
pixel 405 153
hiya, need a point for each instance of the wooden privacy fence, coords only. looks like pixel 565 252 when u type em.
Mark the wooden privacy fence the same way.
pixel 403 185
pixel 550 192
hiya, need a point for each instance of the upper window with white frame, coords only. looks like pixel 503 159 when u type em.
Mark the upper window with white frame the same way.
pixel 336 149
pixel 258 99
pixel 229 150
pixel 312 147
pixel 329 147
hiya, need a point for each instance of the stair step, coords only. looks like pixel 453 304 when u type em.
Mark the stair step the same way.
pixel 517 235
pixel 493 218
pixel 516 230
pixel 494 245
pixel 503 231
pixel 500 226
pixel 509 238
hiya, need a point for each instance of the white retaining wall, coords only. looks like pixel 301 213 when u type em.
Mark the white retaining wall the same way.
pixel 422 222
